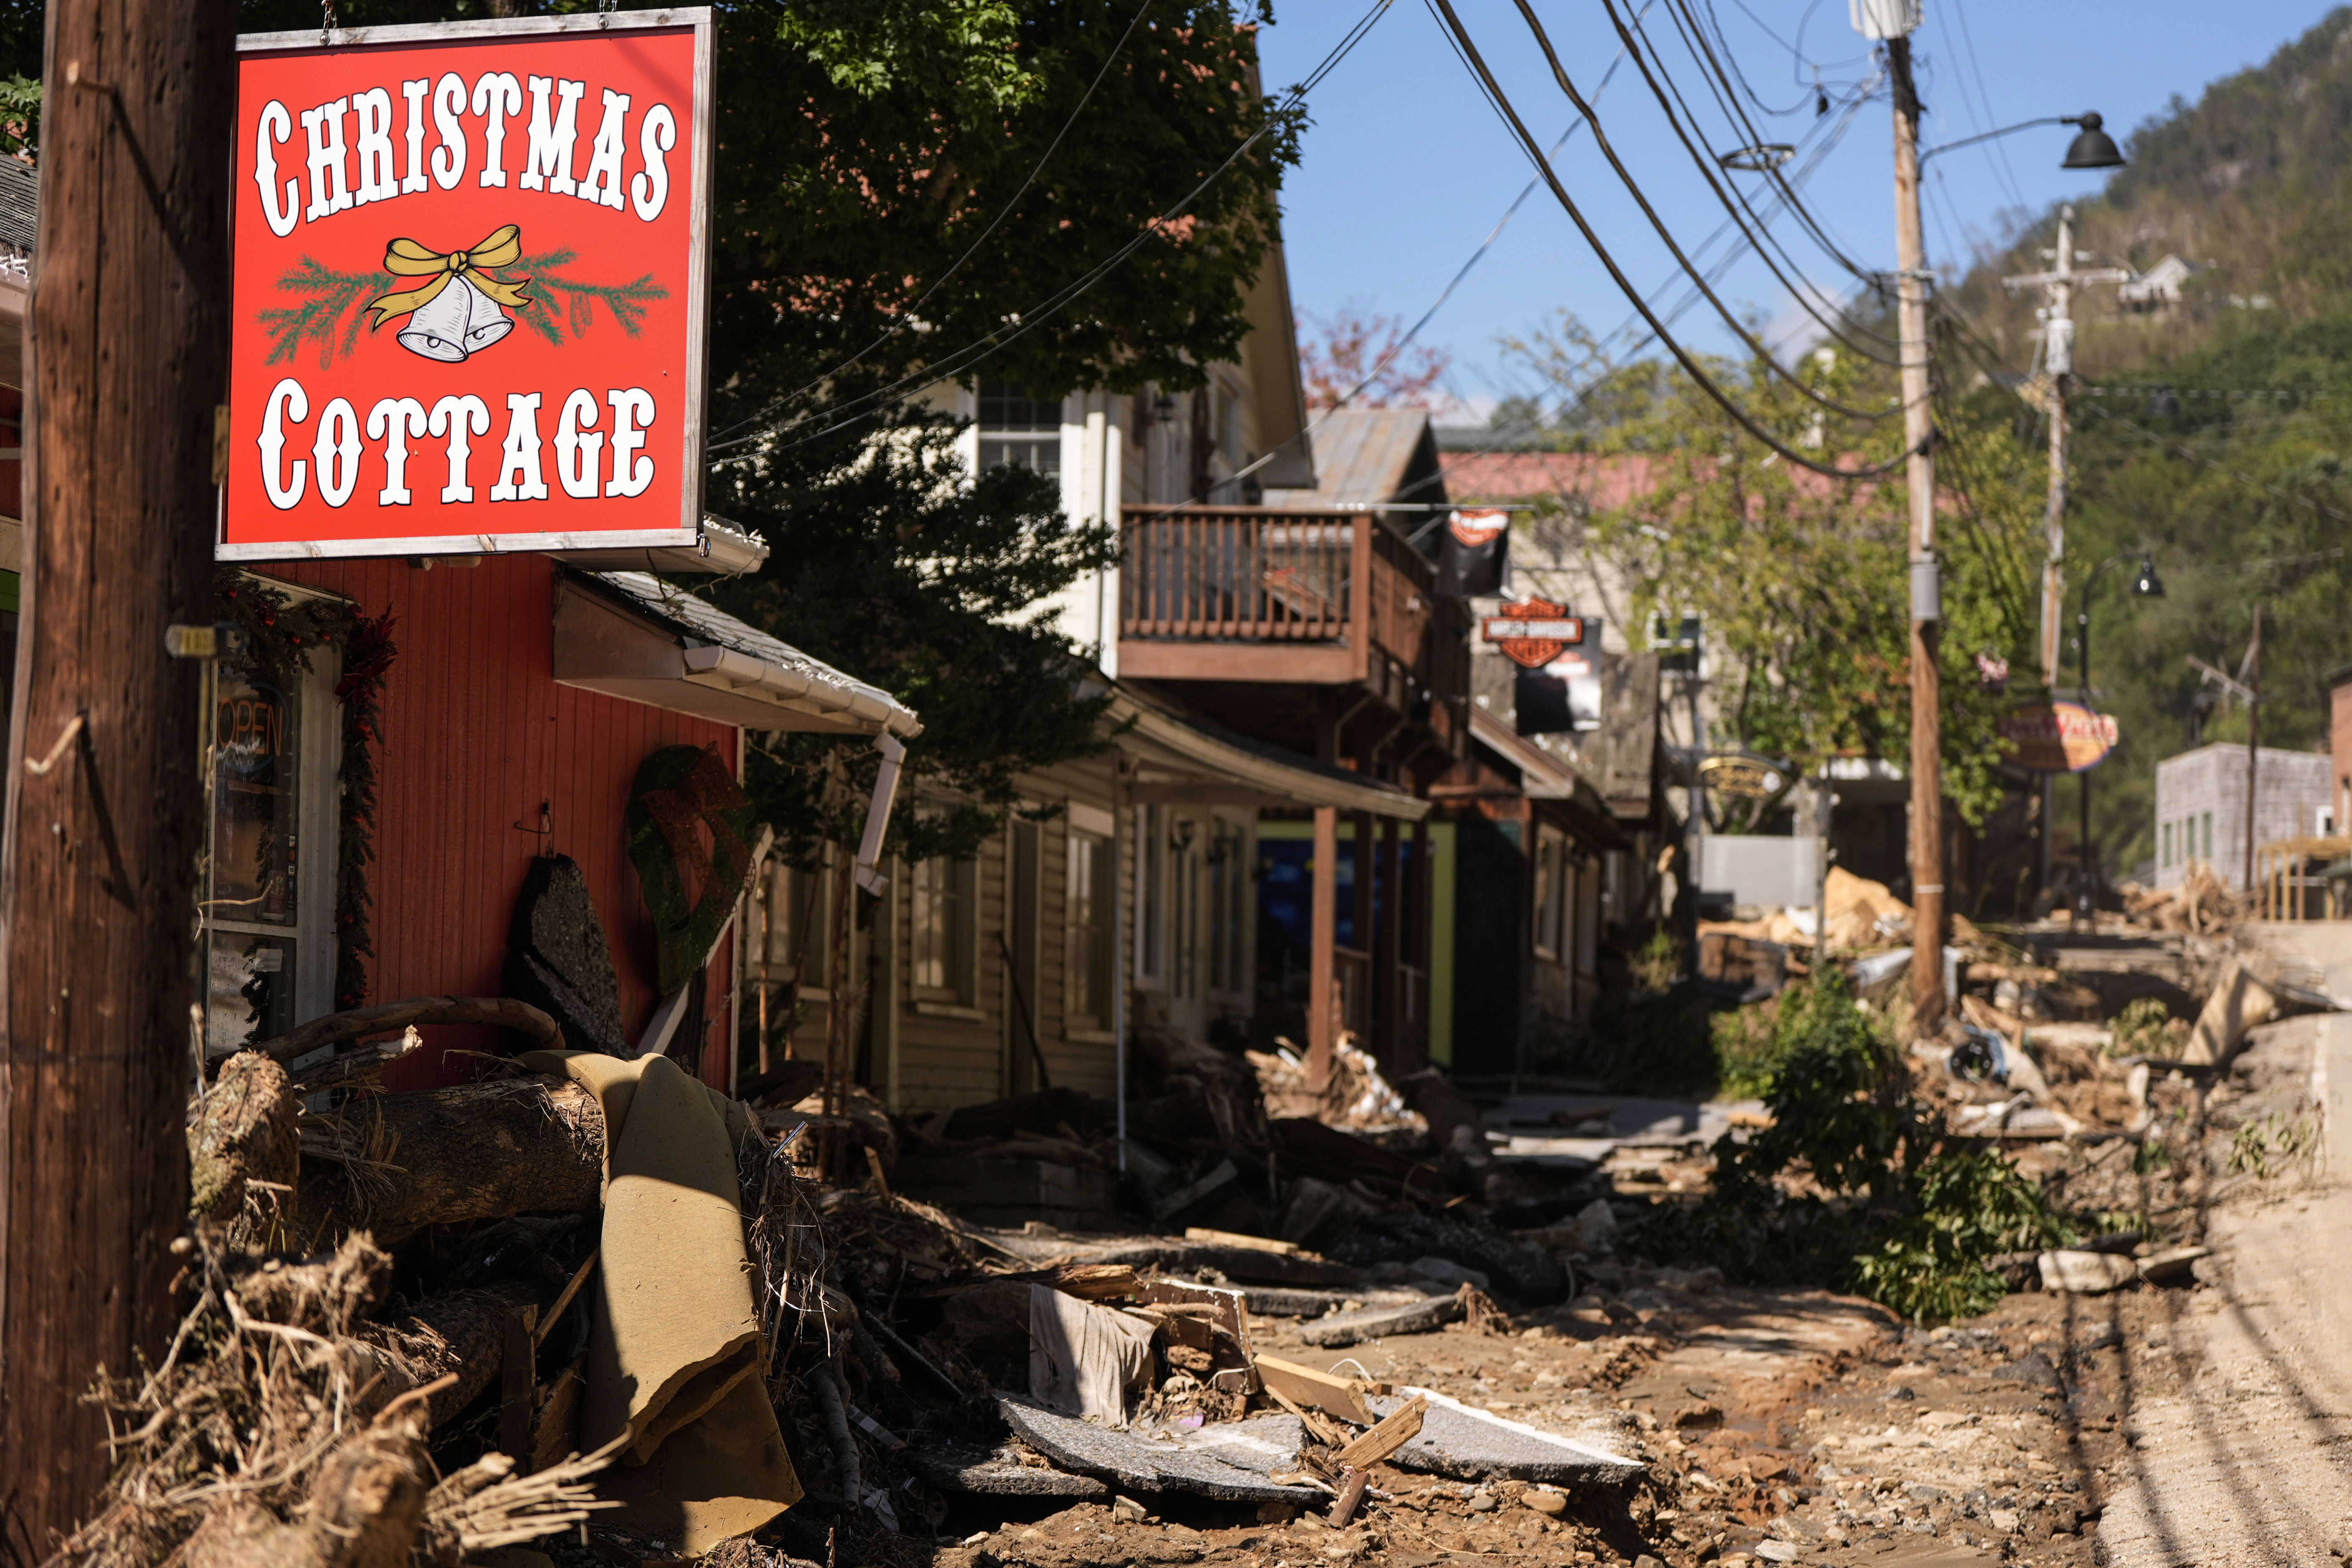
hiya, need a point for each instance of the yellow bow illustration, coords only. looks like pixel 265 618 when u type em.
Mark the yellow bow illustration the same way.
pixel 406 258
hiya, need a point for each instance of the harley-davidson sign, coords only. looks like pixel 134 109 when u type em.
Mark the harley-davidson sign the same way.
pixel 1533 633
pixel 2059 737
pixel 467 288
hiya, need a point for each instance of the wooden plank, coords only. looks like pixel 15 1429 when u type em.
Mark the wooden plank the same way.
pixel 1339 1396
pixel 1395 1430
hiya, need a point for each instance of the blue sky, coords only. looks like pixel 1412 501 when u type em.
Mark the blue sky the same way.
pixel 1406 169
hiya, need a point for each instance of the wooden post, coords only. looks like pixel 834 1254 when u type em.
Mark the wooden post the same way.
pixel 2253 740
pixel 1361 868
pixel 1322 1024
pixel 1928 1000
pixel 128 349
pixel 1388 952
pixel 1422 945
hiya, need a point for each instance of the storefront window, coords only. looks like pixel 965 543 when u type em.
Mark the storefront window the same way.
pixel 254 864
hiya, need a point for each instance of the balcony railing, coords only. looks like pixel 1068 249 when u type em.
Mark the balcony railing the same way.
pixel 1250 594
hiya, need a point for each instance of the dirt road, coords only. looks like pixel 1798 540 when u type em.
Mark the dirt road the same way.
pixel 2245 1461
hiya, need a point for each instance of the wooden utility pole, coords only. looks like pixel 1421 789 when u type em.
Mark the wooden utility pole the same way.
pixel 129 356
pixel 1927 606
pixel 2058 286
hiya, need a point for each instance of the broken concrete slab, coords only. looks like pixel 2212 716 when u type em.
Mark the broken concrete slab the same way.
pixel 1246 1264
pixel 1418 1317
pixel 1262 1445
pixel 994 1472
pixel 1472 1445
pixel 1139 1462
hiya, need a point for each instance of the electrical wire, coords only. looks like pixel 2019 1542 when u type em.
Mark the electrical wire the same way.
pixel 1397 348
pixel 1995 152
pixel 913 313
pixel 1761 107
pixel 1501 102
pixel 1705 160
pixel 1712 70
pixel 960 362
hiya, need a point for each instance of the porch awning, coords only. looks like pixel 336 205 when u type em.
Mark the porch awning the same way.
pixel 632 636
pixel 1186 760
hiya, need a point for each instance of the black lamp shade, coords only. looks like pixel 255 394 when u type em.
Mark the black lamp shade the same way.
pixel 2093 148
pixel 2147 585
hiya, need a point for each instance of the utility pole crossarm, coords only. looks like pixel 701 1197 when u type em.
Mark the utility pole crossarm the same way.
pixel 2087 275
pixel 2230 686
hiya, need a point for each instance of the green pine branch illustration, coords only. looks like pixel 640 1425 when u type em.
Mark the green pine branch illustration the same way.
pixel 576 302
pixel 331 305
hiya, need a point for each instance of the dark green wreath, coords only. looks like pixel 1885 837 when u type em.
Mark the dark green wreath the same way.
pixel 689 826
pixel 282 633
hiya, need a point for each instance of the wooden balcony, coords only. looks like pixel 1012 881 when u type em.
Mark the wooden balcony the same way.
pixel 1323 598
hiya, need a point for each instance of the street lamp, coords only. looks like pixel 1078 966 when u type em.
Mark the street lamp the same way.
pixel 2092 148
pixel 2146 585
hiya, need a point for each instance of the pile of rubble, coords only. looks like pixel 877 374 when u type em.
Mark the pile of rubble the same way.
pixel 586 1303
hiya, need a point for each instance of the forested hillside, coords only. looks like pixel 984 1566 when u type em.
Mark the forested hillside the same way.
pixel 2210 433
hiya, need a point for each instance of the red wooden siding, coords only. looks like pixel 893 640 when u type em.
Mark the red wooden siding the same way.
pixel 477 735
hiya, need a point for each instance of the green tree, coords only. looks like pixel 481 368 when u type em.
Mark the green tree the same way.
pixel 1799 580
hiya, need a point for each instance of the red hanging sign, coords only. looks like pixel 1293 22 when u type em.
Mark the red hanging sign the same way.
pixel 468 288
pixel 2059 737
pixel 1533 633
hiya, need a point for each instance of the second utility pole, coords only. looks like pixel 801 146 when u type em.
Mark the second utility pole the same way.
pixel 1926 598
pixel 2058 284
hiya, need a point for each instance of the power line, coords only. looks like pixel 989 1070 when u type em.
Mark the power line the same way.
pixel 1996 153
pixel 961 361
pixel 1712 71
pixel 1633 186
pixel 1740 417
pixel 1414 331
pixel 913 313
pixel 1704 160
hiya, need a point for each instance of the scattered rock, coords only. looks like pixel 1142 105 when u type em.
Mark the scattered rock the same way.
pixel 1777 1550
pixel 2086 1273
pixel 1482 1502
pixel 1550 1503
pixel 1127 1508
pixel 2175 1265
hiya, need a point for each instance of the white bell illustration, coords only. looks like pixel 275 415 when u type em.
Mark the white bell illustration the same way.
pixel 437 329
pixel 487 322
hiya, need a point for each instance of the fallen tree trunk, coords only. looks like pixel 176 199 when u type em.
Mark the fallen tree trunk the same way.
pixel 503 1012
pixel 365 1509
pixel 394 1163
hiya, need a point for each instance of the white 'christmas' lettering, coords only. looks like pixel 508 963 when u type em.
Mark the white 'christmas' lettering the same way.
pixel 450 158
pixel 602 184
pixel 649 190
pixel 548 166
pixel 378 183
pixel 326 158
pixel 414 91
pixel 495 94
pixel 276 125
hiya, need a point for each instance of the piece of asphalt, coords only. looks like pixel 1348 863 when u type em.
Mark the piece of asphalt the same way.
pixel 1138 1463
pixel 1471 1445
